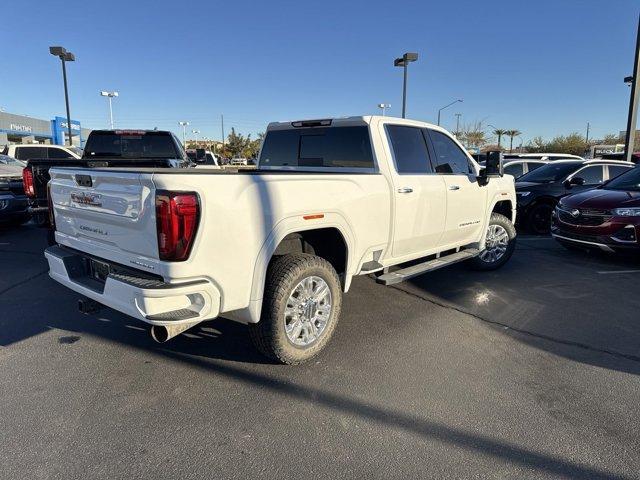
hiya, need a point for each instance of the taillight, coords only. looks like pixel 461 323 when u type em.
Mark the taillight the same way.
pixel 27 182
pixel 177 216
pixel 52 217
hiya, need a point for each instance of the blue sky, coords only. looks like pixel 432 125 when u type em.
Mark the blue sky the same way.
pixel 544 67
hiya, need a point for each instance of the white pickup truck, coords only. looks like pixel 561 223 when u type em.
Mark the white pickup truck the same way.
pixel 276 247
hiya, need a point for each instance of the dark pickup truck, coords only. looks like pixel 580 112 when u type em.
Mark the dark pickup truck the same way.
pixel 106 148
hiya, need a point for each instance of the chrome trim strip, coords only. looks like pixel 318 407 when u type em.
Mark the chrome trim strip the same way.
pixel 601 246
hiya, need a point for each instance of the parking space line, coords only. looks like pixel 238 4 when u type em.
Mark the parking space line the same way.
pixel 606 272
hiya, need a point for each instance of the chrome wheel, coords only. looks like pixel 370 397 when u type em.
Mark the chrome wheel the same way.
pixel 496 244
pixel 307 311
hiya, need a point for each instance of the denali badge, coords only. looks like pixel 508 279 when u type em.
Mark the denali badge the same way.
pixel 83 198
pixel 575 213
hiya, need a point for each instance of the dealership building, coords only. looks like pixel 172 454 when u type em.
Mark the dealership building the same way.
pixel 22 129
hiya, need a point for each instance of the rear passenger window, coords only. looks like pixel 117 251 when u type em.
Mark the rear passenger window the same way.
pixel 27 153
pixel 515 170
pixel 533 165
pixel 337 147
pixel 615 170
pixel 449 157
pixel 409 149
pixel 58 153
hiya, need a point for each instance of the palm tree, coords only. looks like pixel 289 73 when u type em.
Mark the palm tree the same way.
pixel 499 132
pixel 511 134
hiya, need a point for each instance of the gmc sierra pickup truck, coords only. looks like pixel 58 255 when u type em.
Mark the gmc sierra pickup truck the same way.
pixel 276 247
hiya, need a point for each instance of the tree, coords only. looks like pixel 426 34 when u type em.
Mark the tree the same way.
pixel 473 135
pixel 511 134
pixel 574 143
pixel 499 132
pixel 536 144
pixel 612 139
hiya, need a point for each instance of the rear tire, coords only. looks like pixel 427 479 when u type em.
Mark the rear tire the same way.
pixel 300 310
pixel 539 219
pixel 499 249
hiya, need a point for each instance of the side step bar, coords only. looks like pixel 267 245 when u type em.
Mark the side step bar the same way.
pixel 403 274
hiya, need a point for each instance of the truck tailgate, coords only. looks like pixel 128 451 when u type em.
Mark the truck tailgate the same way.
pixel 107 214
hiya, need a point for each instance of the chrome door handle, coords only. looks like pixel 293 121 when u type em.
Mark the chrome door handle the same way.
pixel 405 190
pixel 454 187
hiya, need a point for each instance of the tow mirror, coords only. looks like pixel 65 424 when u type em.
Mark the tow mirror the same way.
pixel 492 167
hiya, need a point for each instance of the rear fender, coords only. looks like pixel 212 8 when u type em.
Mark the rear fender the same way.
pixel 280 231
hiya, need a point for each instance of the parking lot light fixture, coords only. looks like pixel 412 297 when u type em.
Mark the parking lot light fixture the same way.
pixel 383 107
pixel 196 132
pixel 404 62
pixel 109 95
pixel 447 106
pixel 184 132
pixel 65 57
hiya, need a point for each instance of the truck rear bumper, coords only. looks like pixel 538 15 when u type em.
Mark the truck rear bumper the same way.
pixel 149 300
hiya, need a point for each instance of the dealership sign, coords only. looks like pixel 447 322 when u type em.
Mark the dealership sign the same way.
pixel 21 128
pixel 74 126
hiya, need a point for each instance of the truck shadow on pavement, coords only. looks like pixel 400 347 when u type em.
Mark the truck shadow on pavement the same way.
pixel 574 304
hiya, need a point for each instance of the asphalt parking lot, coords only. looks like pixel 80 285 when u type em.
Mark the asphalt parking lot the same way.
pixel 532 371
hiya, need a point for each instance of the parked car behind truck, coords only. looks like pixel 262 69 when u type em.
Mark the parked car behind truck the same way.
pixel 276 247
pixel 106 148
pixel 13 201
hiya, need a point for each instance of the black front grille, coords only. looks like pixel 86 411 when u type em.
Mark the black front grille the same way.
pixel 587 217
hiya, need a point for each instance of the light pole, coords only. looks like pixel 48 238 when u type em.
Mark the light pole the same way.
pixel 64 57
pixel 384 107
pixel 447 106
pixel 634 80
pixel 458 115
pixel 196 132
pixel 109 95
pixel 404 62
pixel 184 133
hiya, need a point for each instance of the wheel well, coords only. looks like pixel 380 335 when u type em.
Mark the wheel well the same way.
pixel 327 243
pixel 504 207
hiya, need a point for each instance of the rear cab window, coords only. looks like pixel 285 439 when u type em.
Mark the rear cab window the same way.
pixel 318 147
pixel 131 144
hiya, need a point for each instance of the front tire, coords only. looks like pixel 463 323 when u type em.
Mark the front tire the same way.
pixel 300 310
pixel 500 244
pixel 539 219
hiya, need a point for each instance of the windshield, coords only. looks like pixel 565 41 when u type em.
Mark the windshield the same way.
pixel 628 181
pixel 550 172
pixel 131 145
pixel 7 160
pixel 76 150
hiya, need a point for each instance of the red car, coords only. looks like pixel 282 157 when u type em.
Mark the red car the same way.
pixel 607 217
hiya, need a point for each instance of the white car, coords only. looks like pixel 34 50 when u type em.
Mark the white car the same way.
pixel 40 151
pixel 277 246
pixel 549 157
pixel 517 168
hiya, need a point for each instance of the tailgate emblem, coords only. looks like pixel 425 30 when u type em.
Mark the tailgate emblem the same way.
pixel 84 180
pixel 83 198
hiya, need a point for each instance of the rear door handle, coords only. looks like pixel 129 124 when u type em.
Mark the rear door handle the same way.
pixel 454 187
pixel 405 190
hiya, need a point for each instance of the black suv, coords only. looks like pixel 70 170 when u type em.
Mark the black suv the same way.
pixel 538 192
